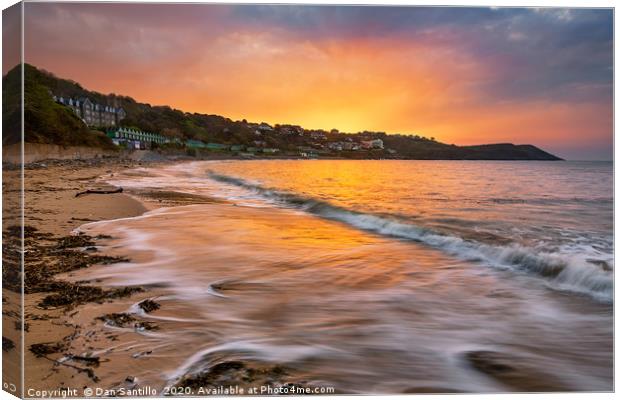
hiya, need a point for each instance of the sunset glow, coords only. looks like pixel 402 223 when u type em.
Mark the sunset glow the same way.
pixel 463 76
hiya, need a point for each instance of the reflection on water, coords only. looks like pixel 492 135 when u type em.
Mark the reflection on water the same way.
pixel 264 279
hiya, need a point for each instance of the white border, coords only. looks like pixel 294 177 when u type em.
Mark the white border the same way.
pixel 478 3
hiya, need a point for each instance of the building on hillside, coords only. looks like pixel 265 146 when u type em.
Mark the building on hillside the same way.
pixel 372 144
pixel 217 146
pixel 291 130
pixel 135 138
pixel 351 146
pixel 195 144
pixel 308 154
pixel 93 114
pixel 318 135
pixel 336 146
pixel 265 127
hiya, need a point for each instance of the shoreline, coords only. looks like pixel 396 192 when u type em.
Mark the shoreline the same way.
pixel 72 327
pixel 52 213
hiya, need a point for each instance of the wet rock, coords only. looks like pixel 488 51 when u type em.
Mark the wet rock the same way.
pixel 604 265
pixel 130 379
pixel 149 305
pixel 517 373
pixel 231 373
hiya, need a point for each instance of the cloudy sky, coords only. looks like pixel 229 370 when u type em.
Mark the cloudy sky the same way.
pixel 462 75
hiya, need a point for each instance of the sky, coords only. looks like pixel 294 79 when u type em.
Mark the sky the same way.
pixel 541 76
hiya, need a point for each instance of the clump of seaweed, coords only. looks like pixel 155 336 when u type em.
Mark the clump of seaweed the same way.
pixel 68 294
pixel 47 256
pixel 7 344
pixel 45 349
pixel 149 305
pixel 74 241
pixel 124 320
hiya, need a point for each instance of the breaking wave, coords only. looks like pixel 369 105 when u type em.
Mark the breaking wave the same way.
pixel 570 272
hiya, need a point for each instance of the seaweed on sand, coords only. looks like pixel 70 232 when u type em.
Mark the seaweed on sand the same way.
pixel 7 344
pixel 149 305
pixel 68 294
pixel 123 320
pixel 45 349
pixel 47 256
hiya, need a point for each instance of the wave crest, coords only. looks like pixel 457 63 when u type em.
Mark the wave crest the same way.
pixel 564 272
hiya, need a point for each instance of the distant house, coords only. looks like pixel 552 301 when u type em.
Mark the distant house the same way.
pixel 291 130
pixel 372 144
pixel 335 146
pixel 135 138
pixel 270 150
pixel 93 114
pixel 318 136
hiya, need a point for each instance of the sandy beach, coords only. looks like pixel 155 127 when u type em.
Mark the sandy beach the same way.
pixel 52 212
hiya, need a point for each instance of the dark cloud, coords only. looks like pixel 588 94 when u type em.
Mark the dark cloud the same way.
pixel 552 53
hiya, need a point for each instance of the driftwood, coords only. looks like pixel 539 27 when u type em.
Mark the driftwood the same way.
pixel 93 191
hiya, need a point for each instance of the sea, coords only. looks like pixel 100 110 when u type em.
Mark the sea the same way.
pixel 376 276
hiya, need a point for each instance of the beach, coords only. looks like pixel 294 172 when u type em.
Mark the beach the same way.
pixel 209 281
pixel 52 208
pixel 65 345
